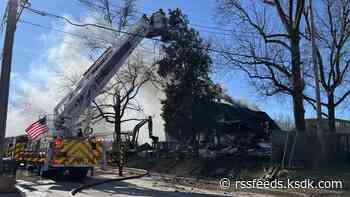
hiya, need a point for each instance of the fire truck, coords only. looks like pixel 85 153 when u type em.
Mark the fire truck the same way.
pixel 73 156
pixel 71 148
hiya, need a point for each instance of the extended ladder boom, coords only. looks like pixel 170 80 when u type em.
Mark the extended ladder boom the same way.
pixel 69 109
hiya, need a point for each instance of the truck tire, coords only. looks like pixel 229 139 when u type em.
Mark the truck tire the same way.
pixel 52 173
pixel 78 173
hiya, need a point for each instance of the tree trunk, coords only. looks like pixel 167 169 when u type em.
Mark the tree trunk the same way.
pixel 331 112
pixel 297 91
pixel 117 130
pixel 297 81
pixel 299 112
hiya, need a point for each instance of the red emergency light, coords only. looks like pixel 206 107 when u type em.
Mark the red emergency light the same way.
pixel 58 142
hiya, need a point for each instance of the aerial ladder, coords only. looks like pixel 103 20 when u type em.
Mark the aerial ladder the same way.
pixel 63 152
pixel 70 108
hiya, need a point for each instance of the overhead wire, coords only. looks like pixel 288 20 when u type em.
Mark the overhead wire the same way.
pixel 204 28
pixel 69 33
pixel 208 29
pixel 45 13
pixel 3 19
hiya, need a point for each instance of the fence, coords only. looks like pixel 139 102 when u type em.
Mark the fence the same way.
pixel 310 148
pixel 343 145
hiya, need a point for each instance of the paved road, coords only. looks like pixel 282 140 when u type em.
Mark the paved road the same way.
pixel 153 186
pixel 140 188
pixel 46 188
pixel 145 187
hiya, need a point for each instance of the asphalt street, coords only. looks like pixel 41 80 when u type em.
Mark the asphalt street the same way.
pixel 144 187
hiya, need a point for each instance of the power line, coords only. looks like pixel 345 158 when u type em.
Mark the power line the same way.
pixel 48 28
pixel 206 29
pixel 216 33
pixel 217 30
pixel 71 34
pixel 210 27
pixel 95 5
pixel 233 33
pixel 98 6
pixel 44 13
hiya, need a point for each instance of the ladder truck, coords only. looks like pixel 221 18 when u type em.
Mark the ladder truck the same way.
pixel 74 150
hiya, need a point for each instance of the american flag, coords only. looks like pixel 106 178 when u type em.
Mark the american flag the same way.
pixel 37 128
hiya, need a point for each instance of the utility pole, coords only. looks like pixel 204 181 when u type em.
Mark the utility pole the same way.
pixel 6 71
pixel 315 65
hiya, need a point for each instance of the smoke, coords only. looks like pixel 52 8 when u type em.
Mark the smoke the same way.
pixel 35 93
pixel 246 103
pixel 150 98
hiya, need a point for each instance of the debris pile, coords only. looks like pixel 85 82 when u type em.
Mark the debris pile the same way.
pixel 261 149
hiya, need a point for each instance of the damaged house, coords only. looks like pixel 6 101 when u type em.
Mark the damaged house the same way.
pixel 239 130
pixel 236 129
pixel 241 123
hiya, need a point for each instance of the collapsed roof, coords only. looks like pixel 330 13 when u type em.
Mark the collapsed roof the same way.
pixel 239 116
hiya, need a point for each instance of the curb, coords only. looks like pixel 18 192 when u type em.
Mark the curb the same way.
pixel 79 189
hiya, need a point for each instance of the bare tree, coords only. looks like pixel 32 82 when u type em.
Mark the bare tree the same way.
pixel 119 99
pixel 285 122
pixel 268 47
pixel 119 96
pixel 116 15
pixel 333 54
pixel 118 102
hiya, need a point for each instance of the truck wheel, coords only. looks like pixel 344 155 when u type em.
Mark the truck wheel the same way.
pixel 78 173
pixel 52 173
pixel 45 174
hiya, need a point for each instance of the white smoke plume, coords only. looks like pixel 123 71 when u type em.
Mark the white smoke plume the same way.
pixel 36 93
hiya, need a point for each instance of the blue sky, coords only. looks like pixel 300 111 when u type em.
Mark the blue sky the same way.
pixel 31 42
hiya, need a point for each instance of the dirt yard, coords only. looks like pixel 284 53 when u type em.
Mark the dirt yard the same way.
pixel 235 169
